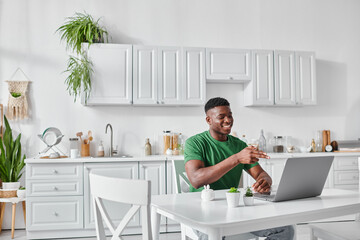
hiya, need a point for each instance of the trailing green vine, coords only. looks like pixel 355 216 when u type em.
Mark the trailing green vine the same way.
pixel 79 29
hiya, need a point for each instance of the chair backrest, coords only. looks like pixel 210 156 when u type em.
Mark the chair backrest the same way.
pixel 129 191
pixel 182 182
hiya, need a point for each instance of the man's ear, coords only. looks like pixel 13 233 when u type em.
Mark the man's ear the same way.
pixel 208 120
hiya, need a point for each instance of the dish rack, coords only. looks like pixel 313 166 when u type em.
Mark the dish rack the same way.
pixel 53 144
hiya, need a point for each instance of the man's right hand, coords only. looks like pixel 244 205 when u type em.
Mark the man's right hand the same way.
pixel 250 155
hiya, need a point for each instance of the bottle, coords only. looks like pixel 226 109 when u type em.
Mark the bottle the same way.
pixel 262 141
pixel 182 144
pixel 101 152
pixel 147 147
pixel 313 146
pixel 167 141
pixel 318 142
pixel 244 139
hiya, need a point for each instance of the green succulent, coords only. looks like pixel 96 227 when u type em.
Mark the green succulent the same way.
pixel 11 159
pixel 248 192
pixel 233 190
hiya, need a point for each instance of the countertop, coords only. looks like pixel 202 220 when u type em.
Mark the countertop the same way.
pixel 165 157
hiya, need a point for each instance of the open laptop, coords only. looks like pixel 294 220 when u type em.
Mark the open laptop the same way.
pixel 302 177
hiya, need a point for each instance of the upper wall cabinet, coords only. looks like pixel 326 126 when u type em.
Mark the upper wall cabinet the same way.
pixel 112 74
pixel 168 76
pixel 305 78
pixel 281 78
pixel 284 78
pixel 145 73
pixel 260 91
pixel 228 65
pixel 194 83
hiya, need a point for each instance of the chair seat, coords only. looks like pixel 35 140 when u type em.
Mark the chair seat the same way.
pixel 337 231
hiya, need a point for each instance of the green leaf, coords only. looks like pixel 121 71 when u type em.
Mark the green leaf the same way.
pixel 11 161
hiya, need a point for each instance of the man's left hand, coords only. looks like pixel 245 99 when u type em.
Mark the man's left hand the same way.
pixel 262 184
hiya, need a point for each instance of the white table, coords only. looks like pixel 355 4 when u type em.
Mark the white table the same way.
pixel 216 219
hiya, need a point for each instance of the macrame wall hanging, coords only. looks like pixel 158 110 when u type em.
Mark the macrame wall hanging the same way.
pixel 17 105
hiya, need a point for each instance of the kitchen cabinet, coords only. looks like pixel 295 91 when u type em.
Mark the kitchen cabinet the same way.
pixel 128 170
pixel 281 78
pixel 194 82
pixel 284 63
pixel 54 196
pixel 345 172
pixel 155 172
pixel 157 75
pixel 228 65
pixel 111 80
pixel 145 75
pixel 168 76
pixel 260 91
pixel 305 78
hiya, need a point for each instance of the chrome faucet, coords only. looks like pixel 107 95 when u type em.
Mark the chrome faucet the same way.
pixel 111 138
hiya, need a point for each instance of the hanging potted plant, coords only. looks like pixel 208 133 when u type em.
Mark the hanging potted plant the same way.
pixel 11 159
pixel 81 28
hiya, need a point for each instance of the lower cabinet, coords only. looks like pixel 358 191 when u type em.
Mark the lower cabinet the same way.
pixel 54 213
pixel 128 170
pixel 345 173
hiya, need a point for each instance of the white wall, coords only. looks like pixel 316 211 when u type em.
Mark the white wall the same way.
pixel 328 27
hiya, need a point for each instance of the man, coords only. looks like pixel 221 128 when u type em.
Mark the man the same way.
pixel 214 157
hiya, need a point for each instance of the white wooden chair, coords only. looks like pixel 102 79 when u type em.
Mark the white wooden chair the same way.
pixel 182 185
pixel 129 191
pixel 337 230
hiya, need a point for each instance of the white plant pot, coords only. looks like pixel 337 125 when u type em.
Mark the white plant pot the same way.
pixel 232 199
pixel 248 201
pixel 21 193
pixel 10 185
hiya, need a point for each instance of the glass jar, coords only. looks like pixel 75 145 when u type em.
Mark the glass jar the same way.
pixel 74 143
pixel 278 144
pixel 167 141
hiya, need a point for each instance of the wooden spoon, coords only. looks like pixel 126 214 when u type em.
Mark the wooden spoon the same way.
pixel 79 134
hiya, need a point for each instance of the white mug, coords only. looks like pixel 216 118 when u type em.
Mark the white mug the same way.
pixel 74 153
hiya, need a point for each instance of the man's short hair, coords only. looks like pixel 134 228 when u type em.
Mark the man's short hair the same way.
pixel 215 102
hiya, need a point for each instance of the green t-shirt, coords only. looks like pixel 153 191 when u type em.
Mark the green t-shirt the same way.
pixel 205 148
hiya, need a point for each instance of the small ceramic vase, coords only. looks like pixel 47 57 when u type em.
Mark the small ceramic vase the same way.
pixel 232 199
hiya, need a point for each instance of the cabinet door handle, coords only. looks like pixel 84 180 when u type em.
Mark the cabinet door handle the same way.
pixel 231 78
pixel 157 102
pixel 56 214
pixel 55 171
pixel 55 188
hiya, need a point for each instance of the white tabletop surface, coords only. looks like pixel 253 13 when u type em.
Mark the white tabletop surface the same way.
pixel 189 209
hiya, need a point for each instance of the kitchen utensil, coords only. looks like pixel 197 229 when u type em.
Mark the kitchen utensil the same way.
pixel 90 138
pixel 79 134
pixel 89 134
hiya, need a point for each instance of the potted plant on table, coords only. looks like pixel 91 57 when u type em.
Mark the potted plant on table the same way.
pixel 81 28
pixel 232 197
pixel 248 197
pixel 11 159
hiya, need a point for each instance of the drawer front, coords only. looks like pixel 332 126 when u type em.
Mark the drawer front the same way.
pixel 346 163
pixel 54 188
pixel 346 177
pixel 53 213
pixel 54 171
